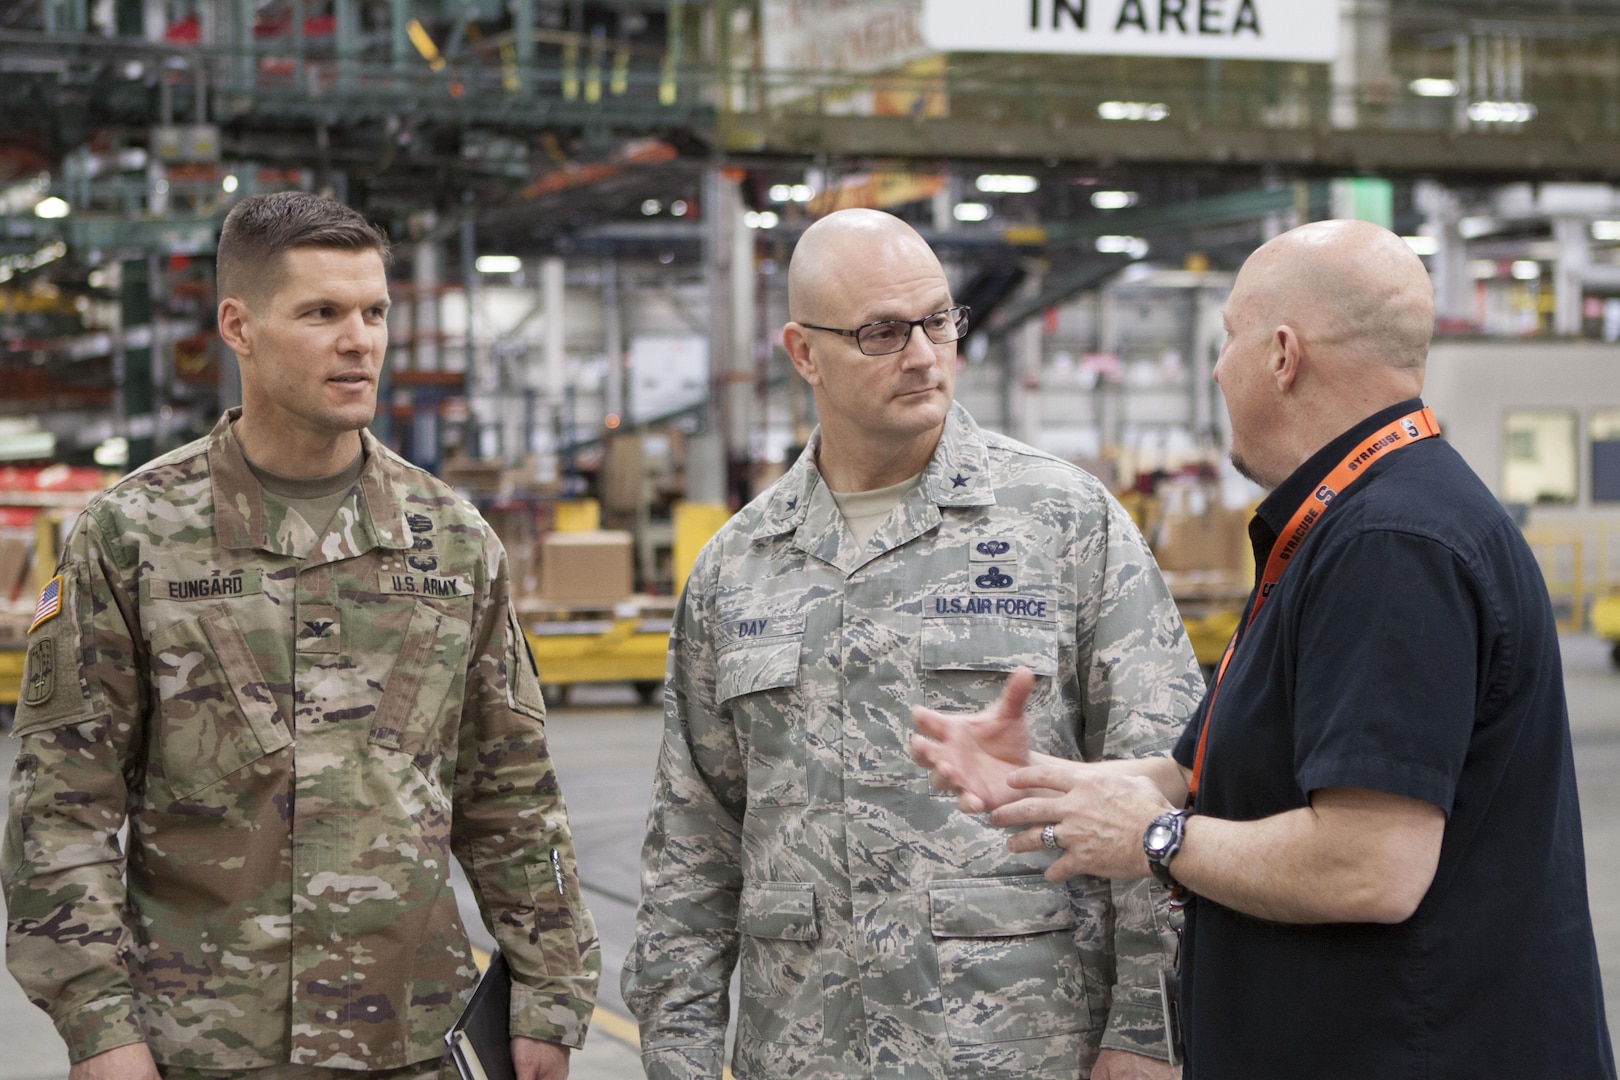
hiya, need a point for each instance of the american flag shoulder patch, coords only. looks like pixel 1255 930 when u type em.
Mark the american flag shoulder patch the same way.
pixel 50 603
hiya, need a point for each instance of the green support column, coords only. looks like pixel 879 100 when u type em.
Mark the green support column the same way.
pixel 523 43
pixel 135 378
pixel 399 37
pixel 347 15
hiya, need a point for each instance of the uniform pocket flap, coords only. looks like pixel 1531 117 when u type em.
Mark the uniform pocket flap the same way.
pixel 989 644
pixel 779 909
pixel 748 669
pixel 998 907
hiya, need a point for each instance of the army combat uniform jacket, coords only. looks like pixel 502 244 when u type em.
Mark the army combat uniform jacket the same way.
pixel 301 731
pixel 879 931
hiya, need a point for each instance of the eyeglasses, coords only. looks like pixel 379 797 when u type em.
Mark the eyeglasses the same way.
pixel 893 335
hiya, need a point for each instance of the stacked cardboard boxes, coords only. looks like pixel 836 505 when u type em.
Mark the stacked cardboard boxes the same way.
pixel 586 568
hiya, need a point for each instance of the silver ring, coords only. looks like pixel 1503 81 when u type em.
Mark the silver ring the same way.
pixel 1049 837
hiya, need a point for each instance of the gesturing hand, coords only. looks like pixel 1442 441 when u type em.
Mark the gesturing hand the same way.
pixel 972 755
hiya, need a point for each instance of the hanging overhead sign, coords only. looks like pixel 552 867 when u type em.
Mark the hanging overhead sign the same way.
pixel 1306 30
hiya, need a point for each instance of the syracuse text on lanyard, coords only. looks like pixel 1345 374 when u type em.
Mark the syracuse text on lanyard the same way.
pixel 1409 429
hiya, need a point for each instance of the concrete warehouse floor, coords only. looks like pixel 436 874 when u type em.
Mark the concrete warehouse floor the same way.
pixel 605 747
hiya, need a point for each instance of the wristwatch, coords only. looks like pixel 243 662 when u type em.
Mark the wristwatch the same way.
pixel 1161 841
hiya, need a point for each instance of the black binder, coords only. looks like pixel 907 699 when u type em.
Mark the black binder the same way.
pixel 481 1040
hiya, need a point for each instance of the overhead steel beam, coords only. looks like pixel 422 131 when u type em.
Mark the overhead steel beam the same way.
pixel 1558 149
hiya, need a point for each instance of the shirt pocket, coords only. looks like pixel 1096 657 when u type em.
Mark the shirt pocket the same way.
pixel 759 683
pixel 431 662
pixel 216 711
pixel 966 661
pixel 781 998
pixel 1009 965
pixel 556 924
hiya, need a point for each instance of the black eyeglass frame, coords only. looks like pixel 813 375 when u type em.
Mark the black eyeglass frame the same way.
pixel 959 323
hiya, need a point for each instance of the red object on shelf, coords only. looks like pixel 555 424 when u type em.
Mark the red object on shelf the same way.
pixel 50 478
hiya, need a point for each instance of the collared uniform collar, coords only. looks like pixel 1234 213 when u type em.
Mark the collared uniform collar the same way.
pixel 239 512
pixel 958 475
pixel 1275 510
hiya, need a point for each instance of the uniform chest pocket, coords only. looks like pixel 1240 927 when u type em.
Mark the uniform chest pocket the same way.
pixel 758 681
pixel 966 661
pixel 430 665
pixel 216 711
pixel 1009 965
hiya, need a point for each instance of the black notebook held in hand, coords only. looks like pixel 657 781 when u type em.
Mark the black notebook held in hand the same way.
pixel 481 1041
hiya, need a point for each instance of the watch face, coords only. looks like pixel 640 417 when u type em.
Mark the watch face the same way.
pixel 1158 836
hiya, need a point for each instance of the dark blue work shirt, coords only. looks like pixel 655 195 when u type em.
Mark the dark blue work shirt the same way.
pixel 1409 648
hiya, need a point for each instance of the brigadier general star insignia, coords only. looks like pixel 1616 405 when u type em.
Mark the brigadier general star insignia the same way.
pixel 49 605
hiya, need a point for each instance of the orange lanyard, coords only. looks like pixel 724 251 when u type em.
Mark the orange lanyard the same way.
pixel 1409 429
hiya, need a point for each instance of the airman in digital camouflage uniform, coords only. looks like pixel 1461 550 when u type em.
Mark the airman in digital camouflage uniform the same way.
pixel 289 660
pixel 907 558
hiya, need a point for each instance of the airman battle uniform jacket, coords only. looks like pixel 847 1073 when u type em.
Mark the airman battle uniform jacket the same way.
pixel 300 731
pixel 879 931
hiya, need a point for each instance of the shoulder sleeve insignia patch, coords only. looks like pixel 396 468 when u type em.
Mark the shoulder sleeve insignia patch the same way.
pixel 49 605
pixel 41 667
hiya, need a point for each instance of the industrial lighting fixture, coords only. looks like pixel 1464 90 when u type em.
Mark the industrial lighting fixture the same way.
pixel 1134 246
pixel 651 207
pixel 424 44
pixel 678 208
pixel 27 445
pixel 1474 227
pixel 498 264
pixel 1434 87
pixel 761 219
pixel 1501 112
pixel 1151 111
pixel 791 193
pixel 113 453
pixel 1113 200
pixel 1526 270
pixel 1606 230
pixel 229 183
pixel 53 207
pixel 971 211
pixel 1422 245
pixel 1001 184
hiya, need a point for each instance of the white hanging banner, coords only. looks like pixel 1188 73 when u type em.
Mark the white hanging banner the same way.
pixel 1305 30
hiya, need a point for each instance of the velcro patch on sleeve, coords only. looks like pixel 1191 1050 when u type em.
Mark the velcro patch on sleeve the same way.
pixel 49 605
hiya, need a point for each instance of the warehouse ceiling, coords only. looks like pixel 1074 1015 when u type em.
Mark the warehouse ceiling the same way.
pixel 564 143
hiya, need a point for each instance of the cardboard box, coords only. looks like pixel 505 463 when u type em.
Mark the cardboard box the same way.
pixel 586 566
pixel 1216 539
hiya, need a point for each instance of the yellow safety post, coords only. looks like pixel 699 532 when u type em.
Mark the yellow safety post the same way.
pixel 47 526
pixel 577 515
pixel 695 523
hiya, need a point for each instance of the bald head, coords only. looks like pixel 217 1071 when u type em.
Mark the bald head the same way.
pixel 841 241
pixel 1355 292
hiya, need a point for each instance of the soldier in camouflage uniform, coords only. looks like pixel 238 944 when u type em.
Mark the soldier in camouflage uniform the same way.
pixel 880 932
pixel 302 704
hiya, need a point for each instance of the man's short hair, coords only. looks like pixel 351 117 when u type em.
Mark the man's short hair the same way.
pixel 260 229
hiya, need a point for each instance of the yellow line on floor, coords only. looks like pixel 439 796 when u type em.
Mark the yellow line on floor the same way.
pixel 615 1026
pixel 608 1023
